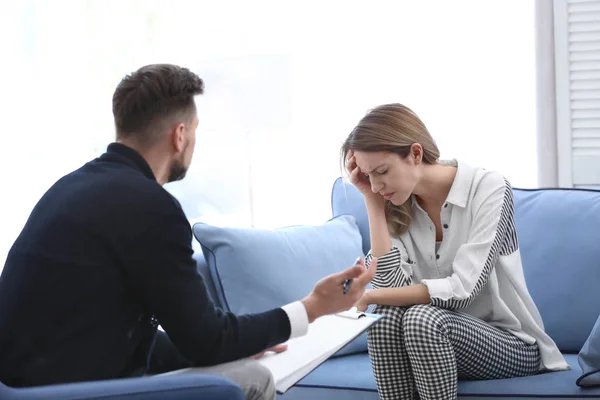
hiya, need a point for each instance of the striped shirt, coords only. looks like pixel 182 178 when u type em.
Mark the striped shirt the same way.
pixel 477 266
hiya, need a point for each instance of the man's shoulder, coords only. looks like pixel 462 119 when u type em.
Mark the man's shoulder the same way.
pixel 113 186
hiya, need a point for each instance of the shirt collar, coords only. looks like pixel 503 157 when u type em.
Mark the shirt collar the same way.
pixel 461 187
pixel 129 156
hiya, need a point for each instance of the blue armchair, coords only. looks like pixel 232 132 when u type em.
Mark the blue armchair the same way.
pixel 172 387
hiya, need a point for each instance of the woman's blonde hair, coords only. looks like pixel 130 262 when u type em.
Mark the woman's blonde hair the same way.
pixel 392 128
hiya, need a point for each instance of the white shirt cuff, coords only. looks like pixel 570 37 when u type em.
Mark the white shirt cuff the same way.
pixel 298 319
pixel 438 288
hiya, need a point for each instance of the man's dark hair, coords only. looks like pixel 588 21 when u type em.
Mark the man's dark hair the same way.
pixel 152 96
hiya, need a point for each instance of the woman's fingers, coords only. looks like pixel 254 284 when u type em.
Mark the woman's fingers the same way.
pixel 351 164
pixel 355 176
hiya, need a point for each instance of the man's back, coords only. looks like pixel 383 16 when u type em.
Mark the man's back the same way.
pixel 68 311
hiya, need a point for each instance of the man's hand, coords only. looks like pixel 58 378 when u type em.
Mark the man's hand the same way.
pixel 280 348
pixel 328 295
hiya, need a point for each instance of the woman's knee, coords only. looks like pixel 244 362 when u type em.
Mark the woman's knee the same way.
pixel 389 326
pixel 422 321
pixel 392 316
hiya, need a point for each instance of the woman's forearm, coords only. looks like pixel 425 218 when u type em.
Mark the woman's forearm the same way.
pixel 402 297
pixel 380 236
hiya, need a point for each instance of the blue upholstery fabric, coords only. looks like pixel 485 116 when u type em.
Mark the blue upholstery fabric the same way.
pixel 353 374
pixel 256 270
pixel 346 199
pixel 589 359
pixel 174 387
pixel 558 234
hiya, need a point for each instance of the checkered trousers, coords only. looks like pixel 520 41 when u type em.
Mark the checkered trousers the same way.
pixel 420 352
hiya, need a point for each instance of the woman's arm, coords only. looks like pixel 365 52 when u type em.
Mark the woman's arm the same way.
pixel 399 296
pixel 393 273
pixel 380 236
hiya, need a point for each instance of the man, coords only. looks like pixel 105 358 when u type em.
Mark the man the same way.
pixel 106 256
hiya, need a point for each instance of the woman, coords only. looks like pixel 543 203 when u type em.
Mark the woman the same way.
pixel 449 276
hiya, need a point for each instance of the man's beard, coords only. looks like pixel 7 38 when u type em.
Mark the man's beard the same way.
pixel 178 171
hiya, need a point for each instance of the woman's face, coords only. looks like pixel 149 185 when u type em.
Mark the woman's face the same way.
pixel 390 175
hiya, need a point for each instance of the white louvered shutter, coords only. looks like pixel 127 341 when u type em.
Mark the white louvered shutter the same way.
pixel 577 61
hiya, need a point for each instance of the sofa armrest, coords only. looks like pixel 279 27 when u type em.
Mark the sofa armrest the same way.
pixel 172 387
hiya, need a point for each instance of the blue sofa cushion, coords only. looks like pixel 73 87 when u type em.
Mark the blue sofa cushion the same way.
pixel 558 234
pixel 353 372
pixel 256 270
pixel 347 200
pixel 589 359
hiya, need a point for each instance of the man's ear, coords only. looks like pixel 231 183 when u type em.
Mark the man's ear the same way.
pixel 177 137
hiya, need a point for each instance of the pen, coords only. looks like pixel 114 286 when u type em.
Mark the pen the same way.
pixel 348 282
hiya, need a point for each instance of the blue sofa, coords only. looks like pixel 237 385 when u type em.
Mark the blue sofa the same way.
pixel 558 232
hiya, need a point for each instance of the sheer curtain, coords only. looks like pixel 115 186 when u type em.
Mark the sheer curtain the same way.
pixel 285 84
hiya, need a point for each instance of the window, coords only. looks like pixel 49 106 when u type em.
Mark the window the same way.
pixel 283 90
pixel 577 60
